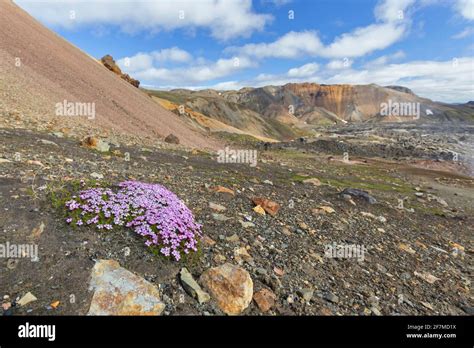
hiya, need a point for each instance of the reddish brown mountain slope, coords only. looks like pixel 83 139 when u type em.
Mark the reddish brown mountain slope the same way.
pixel 281 111
pixel 53 70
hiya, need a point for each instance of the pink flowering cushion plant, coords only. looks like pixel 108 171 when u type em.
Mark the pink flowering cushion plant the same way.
pixel 150 210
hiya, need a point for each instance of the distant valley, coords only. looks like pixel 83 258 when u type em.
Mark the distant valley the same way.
pixel 285 112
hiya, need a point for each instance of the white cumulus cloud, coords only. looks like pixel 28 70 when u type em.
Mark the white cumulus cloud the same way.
pixel 338 64
pixel 466 8
pixel 304 71
pixel 225 19
pixel 290 45
pixel 147 68
pixel 173 54
pixel 392 24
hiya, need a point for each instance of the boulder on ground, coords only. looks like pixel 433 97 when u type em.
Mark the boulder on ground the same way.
pixel 231 286
pixel 118 291
pixel 192 287
pixel 96 143
pixel 359 194
pixel 269 206
pixel 172 139
pixel 265 299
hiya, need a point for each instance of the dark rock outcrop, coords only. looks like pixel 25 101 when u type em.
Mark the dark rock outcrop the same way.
pixel 172 139
pixel 110 64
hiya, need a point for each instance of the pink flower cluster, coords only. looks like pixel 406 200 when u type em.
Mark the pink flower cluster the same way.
pixel 150 209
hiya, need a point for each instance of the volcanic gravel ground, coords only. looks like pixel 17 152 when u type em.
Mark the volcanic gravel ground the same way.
pixel 287 251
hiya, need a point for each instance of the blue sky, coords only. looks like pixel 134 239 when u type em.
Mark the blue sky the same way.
pixel 426 45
